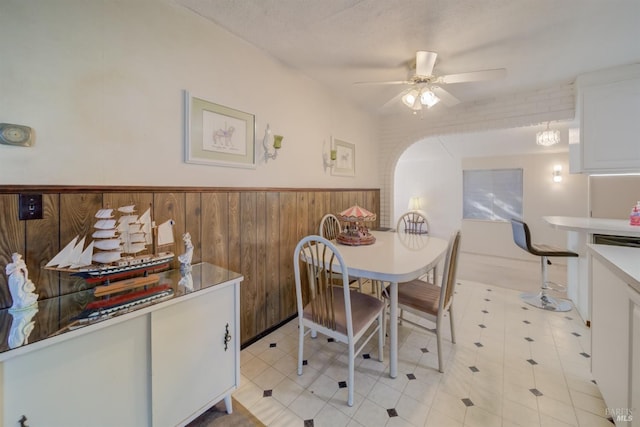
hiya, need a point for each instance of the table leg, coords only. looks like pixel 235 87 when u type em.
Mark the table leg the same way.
pixel 393 330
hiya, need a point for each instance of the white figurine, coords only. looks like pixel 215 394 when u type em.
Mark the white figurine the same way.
pixel 21 326
pixel 20 287
pixel 185 258
pixel 186 281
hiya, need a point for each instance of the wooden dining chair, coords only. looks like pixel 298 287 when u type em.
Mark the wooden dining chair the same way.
pixel 430 301
pixel 329 229
pixel 333 309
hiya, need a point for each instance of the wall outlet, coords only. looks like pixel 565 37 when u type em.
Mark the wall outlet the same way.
pixel 30 206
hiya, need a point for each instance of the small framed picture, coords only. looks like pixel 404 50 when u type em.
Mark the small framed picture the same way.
pixel 345 158
pixel 218 135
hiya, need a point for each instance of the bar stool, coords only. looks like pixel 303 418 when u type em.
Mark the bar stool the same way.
pixel 522 238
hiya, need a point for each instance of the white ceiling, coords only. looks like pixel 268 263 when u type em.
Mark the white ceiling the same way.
pixel 541 43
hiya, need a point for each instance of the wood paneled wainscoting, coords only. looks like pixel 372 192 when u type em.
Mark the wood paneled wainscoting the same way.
pixel 248 230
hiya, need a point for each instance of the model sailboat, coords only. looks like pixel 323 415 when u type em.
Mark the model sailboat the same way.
pixel 122 246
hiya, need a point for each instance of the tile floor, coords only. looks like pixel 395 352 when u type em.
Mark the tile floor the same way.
pixel 512 365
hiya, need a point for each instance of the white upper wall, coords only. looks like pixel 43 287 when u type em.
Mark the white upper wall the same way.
pixel 102 84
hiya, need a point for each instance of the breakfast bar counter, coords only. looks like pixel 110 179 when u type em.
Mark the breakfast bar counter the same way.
pixel 580 232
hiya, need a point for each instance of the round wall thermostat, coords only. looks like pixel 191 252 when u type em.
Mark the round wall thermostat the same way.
pixel 17 135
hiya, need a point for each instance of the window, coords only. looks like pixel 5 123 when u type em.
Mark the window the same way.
pixel 492 194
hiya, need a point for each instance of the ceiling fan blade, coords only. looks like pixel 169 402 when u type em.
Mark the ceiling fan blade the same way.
pixel 394 99
pixel 425 62
pixel 473 76
pixel 446 98
pixel 392 82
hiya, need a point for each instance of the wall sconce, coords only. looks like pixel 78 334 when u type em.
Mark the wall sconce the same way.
pixel 414 204
pixel 277 144
pixel 329 158
pixel 557 173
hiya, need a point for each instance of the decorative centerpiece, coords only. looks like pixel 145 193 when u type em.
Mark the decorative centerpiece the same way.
pixel 354 231
pixel 124 245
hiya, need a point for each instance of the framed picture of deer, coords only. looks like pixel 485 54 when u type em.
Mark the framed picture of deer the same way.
pixel 345 162
pixel 218 135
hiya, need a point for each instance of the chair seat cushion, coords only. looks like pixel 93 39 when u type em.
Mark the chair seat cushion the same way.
pixel 419 295
pixel 548 250
pixel 364 308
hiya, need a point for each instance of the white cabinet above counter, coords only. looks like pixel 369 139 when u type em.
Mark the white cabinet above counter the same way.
pixel 608 107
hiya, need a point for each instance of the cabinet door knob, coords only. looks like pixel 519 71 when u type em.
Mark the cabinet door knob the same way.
pixel 227 337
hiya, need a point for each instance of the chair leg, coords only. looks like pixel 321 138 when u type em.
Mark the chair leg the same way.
pixel 350 385
pixel 453 329
pixel 300 347
pixel 381 336
pixel 439 344
pixel 384 321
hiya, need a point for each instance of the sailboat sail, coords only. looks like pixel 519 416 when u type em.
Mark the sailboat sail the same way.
pixel 64 254
pixel 145 220
pixel 104 234
pixel 104 213
pixel 85 258
pixel 165 233
pixel 75 254
pixel 107 244
pixel 105 224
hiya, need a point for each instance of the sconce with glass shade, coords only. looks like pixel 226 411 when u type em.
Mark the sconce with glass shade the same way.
pixel 277 144
pixel 414 204
pixel 548 137
pixel 557 173
pixel 329 157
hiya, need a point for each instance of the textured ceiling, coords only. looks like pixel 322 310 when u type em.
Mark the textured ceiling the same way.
pixel 541 43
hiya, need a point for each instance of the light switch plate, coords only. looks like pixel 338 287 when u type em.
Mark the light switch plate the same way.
pixel 30 206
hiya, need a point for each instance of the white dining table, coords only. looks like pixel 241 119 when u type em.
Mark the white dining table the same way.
pixel 394 258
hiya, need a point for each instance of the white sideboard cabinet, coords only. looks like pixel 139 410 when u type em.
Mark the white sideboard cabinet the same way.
pixel 159 365
pixel 609 108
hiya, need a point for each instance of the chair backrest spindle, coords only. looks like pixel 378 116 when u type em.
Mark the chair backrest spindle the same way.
pixel 412 222
pixel 321 259
pixel 330 227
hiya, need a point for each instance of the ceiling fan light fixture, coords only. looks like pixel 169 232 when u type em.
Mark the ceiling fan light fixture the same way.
pixel 409 98
pixel 417 98
pixel 428 98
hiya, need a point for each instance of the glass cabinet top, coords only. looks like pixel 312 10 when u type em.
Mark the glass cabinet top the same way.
pixel 55 316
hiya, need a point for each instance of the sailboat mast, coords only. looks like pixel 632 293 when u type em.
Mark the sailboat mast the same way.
pixel 154 232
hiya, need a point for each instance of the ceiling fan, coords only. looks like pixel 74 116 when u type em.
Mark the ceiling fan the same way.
pixel 426 88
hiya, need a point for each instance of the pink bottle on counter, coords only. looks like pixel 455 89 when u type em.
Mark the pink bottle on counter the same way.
pixel 634 218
